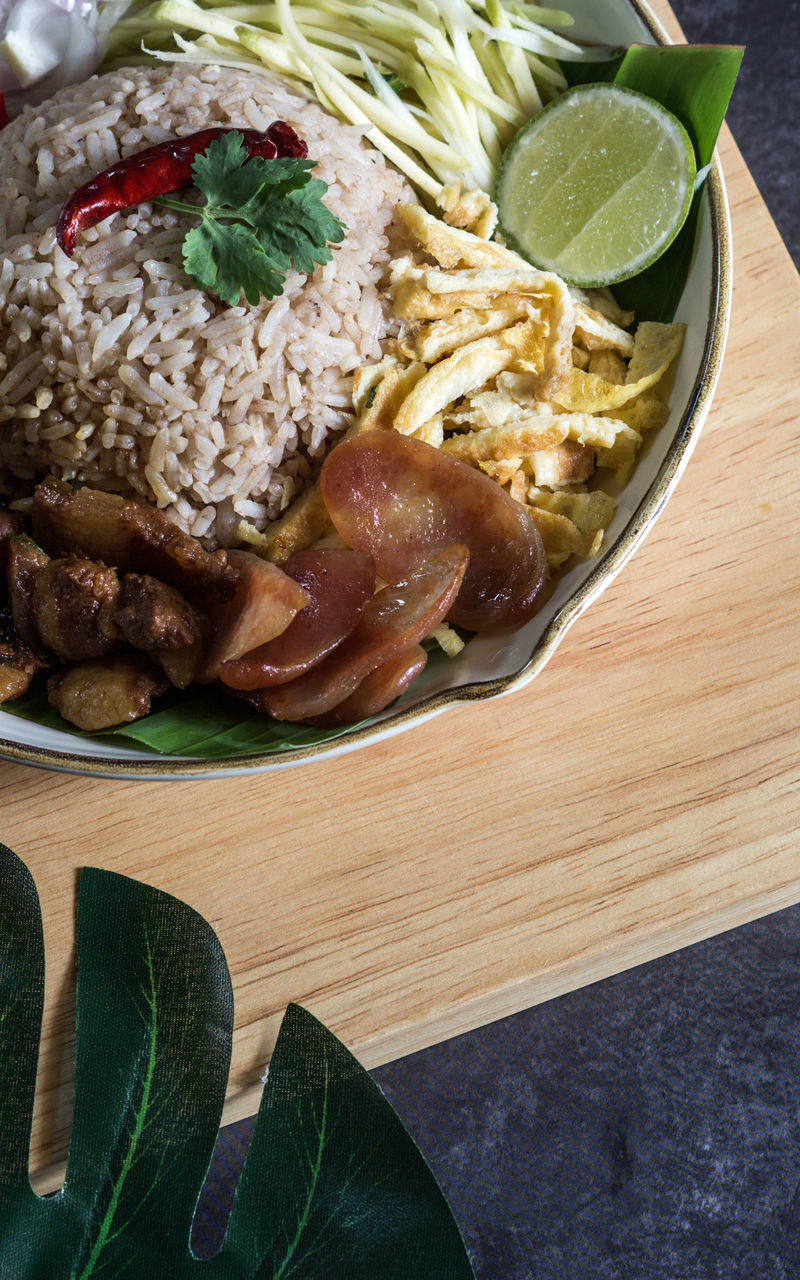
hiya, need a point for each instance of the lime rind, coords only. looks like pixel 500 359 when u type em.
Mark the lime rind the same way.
pixel 605 206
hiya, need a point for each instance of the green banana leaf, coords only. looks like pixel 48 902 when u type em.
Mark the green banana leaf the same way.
pixel 203 724
pixel 695 83
pixel 333 1185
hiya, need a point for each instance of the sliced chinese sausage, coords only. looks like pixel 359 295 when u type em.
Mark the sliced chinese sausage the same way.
pixel 339 582
pixel 396 618
pixel 400 500
pixel 377 690
pixel 264 602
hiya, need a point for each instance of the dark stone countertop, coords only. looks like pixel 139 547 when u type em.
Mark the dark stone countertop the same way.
pixel 646 1127
pixel 764 113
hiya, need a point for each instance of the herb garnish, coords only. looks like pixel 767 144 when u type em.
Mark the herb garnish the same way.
pixel 260 218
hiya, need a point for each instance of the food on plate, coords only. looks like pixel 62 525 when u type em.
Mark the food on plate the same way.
pixel 597 185
pixel 440 88
pixel 23 561
pixel 395 620
pixel 290 450
pixel 159 171
pixel 133 537
pixel 94 695
pixel 107 574
pixel 119 374
pixel 264 602
pixel 340 583
pixel 263 214
pixel 500 365
pixel 135 595
pixel 18 664
pixel 296 643
pixel 74 605
pixel 151 614
pixel 399 500
pixel 379 689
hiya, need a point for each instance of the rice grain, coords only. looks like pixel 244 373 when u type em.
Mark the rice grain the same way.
pixel 115 371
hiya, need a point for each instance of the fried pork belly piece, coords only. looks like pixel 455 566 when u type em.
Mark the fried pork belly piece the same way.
pixel 84 521
pixel 25 562
pixel 130 536
pixel 110 691
pixel 152 615
pixel 18 665
pixel 74 603
pixel 159 547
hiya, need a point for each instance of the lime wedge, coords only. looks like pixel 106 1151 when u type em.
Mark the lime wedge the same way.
pixel 597 185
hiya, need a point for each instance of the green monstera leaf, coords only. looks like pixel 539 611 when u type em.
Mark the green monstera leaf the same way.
pixel 333 1186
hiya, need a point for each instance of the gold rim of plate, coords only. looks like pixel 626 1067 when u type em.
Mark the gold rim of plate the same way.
pixel 155 767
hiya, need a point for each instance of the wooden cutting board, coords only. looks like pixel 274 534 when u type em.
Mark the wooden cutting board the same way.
pixel 640 794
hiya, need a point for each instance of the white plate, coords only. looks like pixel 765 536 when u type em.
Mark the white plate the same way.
pixel 493 664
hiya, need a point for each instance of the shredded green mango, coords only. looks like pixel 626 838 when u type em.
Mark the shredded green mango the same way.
pixel 441 85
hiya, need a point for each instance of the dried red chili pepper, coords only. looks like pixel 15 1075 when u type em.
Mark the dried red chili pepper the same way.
pixel 3 112
pixel 159 171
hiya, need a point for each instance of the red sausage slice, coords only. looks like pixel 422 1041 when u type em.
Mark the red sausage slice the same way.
pixel 396 618
pixel 264 603
pixel 378 689
pixel 401 500
pixel 339 583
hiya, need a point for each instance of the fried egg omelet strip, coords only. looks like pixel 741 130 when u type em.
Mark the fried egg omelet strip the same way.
pixel 544 388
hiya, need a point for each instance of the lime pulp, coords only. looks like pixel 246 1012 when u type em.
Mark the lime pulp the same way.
pixel 597 185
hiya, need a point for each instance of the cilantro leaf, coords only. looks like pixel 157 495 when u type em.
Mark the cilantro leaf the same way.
pixel 223 174
pixel 228 258
pixel 294 224
pixel 260 218
pixel 287 172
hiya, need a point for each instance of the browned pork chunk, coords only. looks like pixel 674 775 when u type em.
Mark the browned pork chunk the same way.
pixel 25 562
pixel 10 526
pixel 74 603
pixel 154 616
pixel 132 537
pixel 17 664
pixel 110 691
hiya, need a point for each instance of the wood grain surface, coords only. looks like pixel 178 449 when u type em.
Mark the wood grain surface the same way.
pixel 640 794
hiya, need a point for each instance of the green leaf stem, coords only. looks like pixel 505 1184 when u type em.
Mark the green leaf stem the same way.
pixel 333 1186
